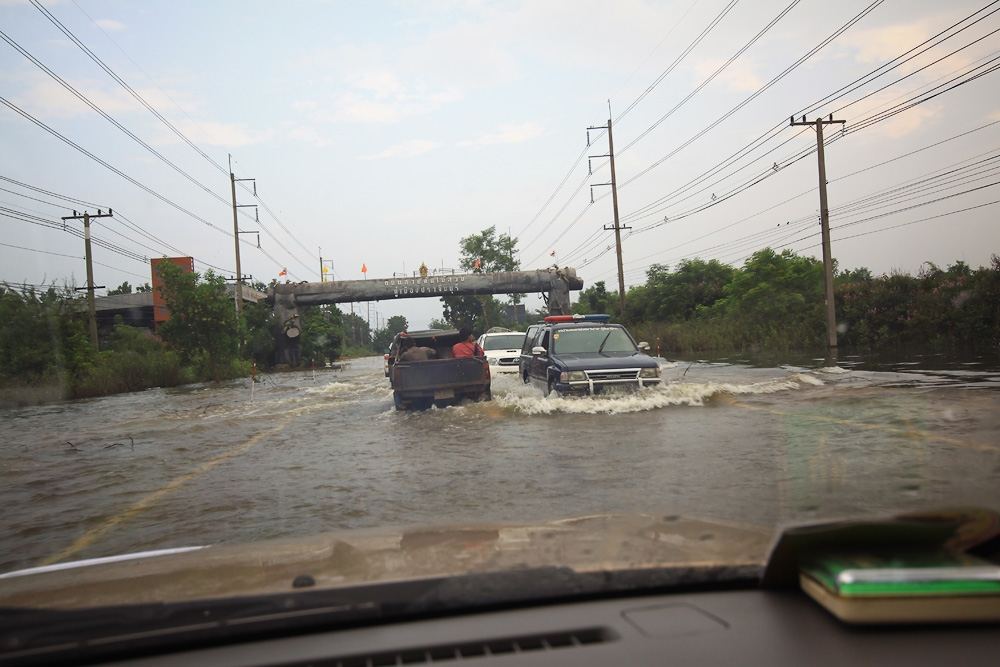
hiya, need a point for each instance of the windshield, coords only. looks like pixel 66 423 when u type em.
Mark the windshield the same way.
pixel 217 218
pixel 591 341
pixel 504 342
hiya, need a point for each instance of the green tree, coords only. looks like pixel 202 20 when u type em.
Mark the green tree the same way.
pixel 260 331
pixel 322 336
pixel 492 253
pixel 124 288
pixel 383 337
pixel 42 336
pixel 144 288
pixel 356 330
pixel 596 299
pixel 675 296
pixel 202 325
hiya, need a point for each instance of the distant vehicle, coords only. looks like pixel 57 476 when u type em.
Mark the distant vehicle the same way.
pixel 584 354
pixel 503 349
pixel 443 381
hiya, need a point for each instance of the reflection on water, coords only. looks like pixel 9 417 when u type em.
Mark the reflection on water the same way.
pixel 726 438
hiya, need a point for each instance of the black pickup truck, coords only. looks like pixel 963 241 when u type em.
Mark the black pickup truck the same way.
pixel 441 381
pixel 584 354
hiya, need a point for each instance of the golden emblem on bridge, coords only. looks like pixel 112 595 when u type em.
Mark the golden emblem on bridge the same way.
pixel 423 270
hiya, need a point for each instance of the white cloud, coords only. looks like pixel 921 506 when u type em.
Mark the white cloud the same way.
pixel 309 135
pixel 876 45
pixel 507 134
pixel 46 98
pixel 377 99
pixel 228 135
pixel 739 76
pixel 899 125
pixel 110 24
pixel 411 148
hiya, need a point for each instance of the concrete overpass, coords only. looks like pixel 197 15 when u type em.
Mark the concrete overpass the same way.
pixel 554 283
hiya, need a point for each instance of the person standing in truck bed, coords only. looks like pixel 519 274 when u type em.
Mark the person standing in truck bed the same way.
pixel 467 347
pixel 409 351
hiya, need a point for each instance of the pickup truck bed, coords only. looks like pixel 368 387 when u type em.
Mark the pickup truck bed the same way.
pixel 443 381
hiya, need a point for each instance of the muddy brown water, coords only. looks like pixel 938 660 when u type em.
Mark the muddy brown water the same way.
pixel 724 439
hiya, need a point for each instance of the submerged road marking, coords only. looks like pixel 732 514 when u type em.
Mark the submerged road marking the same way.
pixel 908 432
pixel 151 499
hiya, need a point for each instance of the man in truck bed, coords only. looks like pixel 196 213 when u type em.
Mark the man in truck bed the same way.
pixel 467 346
pixel 410 351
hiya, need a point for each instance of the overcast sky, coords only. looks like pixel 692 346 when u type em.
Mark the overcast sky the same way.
pixel 383 132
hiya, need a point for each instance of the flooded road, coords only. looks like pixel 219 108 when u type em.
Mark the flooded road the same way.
pixel 203 464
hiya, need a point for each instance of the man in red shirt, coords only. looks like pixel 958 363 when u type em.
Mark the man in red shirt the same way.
pixel 468 347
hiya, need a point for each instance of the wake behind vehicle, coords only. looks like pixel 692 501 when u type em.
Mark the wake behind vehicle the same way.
pixel 585 354
pixel 440 381
pixel 503 349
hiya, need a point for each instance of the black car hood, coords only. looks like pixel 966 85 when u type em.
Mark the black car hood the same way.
pixel 605 360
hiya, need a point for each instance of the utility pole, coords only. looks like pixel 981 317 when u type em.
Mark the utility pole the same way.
pixel 238 287
pixel 614 202
pixel 91 307
pixel 824 221
pixel 322 267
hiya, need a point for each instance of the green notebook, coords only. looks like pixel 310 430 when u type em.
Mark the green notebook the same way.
pixel 915 574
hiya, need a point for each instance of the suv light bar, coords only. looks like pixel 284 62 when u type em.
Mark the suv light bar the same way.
pixel 596 317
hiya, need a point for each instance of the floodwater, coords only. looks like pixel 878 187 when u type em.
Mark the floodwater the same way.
pixel 723 439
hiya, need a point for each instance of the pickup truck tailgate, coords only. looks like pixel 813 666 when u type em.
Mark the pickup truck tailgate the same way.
pixel 438 374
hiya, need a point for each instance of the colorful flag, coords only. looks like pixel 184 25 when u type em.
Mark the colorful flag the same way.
pixel 364 268
pixel 283 272
pixel 326 269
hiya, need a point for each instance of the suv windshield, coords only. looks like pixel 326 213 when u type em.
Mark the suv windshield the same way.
pixel 504 342
pixel 583 341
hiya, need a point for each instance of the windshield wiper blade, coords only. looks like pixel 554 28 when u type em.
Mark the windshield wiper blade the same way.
pixel 600 350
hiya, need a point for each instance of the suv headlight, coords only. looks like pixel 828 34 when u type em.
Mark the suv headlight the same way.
pixel 572 376
pixel 493 361
pixel 650 372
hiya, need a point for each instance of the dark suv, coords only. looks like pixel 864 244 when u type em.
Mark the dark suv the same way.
pixel 584 354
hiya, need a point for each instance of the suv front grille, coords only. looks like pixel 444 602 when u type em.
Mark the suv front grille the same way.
pixel 596 376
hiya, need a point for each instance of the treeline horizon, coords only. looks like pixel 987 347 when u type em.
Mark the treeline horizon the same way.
pixel 775 302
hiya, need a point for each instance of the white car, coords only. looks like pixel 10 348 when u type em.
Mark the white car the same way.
pixel 503 350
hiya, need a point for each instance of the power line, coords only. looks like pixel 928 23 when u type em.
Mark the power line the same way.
pixel 809 54
pixel 621 115
pixel 861 205
pixel 670 68
pixel 120 173
pixel 44 252
pixel 119 217
pixel 907 104
pixel 772 132
pixel 97 109
pixel 139 98
pixel 713 75
pixel 21 216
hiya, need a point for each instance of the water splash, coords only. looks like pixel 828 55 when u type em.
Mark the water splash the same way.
pixel 526 399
